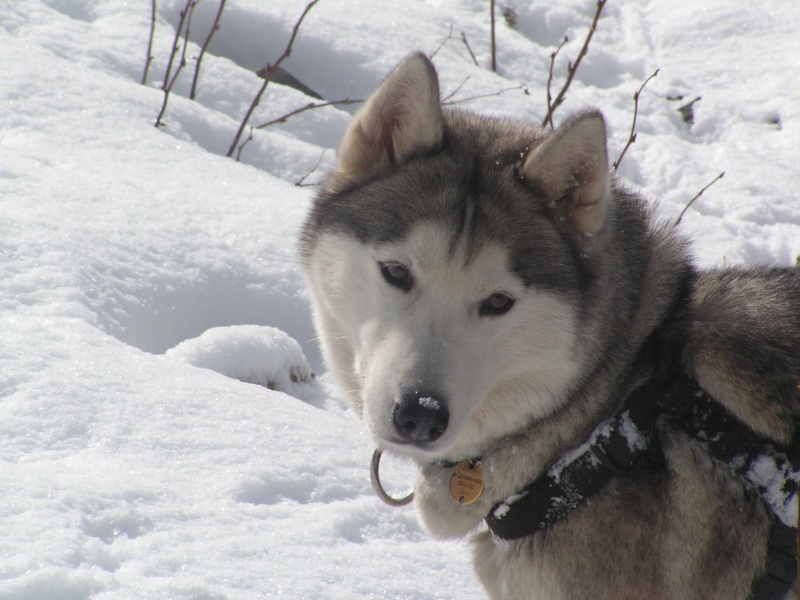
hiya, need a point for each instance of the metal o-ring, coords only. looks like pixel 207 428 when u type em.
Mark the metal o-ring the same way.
pixel 376 484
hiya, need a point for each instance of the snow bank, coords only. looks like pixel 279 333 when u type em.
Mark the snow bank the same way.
pixel 261 355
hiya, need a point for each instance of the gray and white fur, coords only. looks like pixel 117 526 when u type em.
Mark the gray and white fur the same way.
pixel 486 288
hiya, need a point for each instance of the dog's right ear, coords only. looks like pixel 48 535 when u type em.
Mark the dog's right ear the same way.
pixel 571 168
pixel 402 119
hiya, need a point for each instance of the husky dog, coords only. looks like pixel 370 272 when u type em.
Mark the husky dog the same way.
pixel 486 289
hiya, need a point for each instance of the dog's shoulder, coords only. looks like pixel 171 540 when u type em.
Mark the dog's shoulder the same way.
pixel 743 345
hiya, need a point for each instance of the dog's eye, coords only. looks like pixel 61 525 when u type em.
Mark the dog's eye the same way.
pixel 397 275
pixel 497 304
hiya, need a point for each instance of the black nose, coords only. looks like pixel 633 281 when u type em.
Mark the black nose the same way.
pixel 421 417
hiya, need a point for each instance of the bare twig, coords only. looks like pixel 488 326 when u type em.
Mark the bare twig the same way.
pixel 632 136
pixel 469 49
pixel 451 37
pixel 268 76
pixel 550 81
pixel 700 193
pixel 301 182
pixel 444 41
pixel 497 93
pixel 185 17
pixel 150 42
pixel 243 144
pixel 455 91
pixel 175 45
pixel 309 106
pixel 212 31
pixel 494 48
pixel 572 68
pixel 190 4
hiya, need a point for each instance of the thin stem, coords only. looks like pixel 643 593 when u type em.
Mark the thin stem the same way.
pixel 211 33
pixel 469 49
pixel 444 41
pixel 302 109
pixel 301 182
pixel 455 91
pixel 268 70
pixel 186 17
pixel 572 68
pixel 700 193
pixel 632 136
pixel 497 93
pixel 150 42
pixel 550 81
pixel 494 47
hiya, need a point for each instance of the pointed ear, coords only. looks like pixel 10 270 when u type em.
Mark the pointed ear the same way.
pixel 571 168
pixel 403 118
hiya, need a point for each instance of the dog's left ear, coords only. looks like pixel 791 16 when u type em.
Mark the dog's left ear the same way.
pixel 402 119
pixel 571 168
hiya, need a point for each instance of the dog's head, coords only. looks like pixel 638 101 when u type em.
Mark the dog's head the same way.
pixel 447 259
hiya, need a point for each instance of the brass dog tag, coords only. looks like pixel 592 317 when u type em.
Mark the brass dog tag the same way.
pixel 466 482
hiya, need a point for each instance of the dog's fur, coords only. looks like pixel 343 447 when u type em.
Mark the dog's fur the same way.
pixel 433 223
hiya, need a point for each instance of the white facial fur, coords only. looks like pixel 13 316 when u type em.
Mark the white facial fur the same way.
pixel 496 373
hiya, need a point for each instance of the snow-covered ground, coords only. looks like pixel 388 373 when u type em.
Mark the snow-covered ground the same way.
pixel 147 281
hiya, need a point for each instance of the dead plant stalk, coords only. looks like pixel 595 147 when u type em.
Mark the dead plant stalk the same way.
pixel 150 42
pixel 185 17
pixel 212 31
pixel 573 67
pixel 700 193
pixel 268 70
pixel 632 136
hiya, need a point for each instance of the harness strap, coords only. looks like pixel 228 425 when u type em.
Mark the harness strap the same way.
pixel 780 570
pixel 618 445
pixel 615 447
pixel 757 462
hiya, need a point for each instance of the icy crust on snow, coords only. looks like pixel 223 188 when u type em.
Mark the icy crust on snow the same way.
pixel 772 475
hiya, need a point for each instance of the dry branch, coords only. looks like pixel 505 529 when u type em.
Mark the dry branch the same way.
pixel 494 48
pixel 497 93
pixel 301 182
pixel 550 80
pixel 700 193
pixel 632 136
pixel 150 42
pixel 469 49
pixel 243 144
pixel 455 91
pixel 268 70
pixel 212 31
pixel 444 41
pixel 572 68
pixel 451 37
pixel 302 109
pixel 185 17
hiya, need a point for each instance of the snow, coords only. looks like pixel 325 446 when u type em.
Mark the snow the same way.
pixel 504 507
pixel 770 474
pixel 146 278
pixel 429 403
pixel 253 354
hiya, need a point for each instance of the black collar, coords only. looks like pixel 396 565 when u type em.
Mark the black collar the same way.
pixel 621 445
